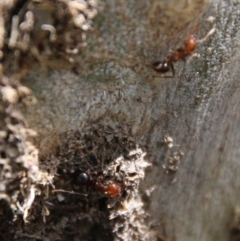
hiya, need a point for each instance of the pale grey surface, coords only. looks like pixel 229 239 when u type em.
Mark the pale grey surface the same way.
pixel 199 108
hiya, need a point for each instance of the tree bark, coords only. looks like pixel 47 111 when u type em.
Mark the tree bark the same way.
pixel 188 124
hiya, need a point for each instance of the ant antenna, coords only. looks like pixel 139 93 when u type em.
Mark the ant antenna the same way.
pixel 207 35
pixel 70 192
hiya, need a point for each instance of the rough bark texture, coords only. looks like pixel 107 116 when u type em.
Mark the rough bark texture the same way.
pixel 107 107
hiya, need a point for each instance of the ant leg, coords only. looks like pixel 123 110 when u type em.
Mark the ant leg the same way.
pixel 172 69
pixel 70 192
pixel 195 55
pixel 207 35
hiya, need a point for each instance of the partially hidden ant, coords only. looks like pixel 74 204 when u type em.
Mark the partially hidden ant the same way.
pixel 180 54
pixel 107 187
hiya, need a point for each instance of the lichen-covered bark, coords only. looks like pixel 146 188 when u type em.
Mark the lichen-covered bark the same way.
pixel 108 95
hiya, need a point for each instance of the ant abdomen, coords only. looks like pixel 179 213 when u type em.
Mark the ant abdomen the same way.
pixel 83 178
pixel 161 66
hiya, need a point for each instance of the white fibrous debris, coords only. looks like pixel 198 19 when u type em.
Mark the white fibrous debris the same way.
pixel 82 11
pixel 26 37
pixel 20 167
pixel 28 23
pixel 9 94
pixel 128 216
pixel 28 201
pixel 52 30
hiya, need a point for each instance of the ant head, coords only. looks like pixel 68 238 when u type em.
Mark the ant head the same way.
pixel 83 178
pixel 161 67
pixel 191 43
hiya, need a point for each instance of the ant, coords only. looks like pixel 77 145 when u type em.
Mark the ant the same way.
pixel 180 54
pixel 107 187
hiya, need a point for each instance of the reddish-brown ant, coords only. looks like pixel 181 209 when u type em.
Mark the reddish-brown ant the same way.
pixel 107 187
pixel 180 54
